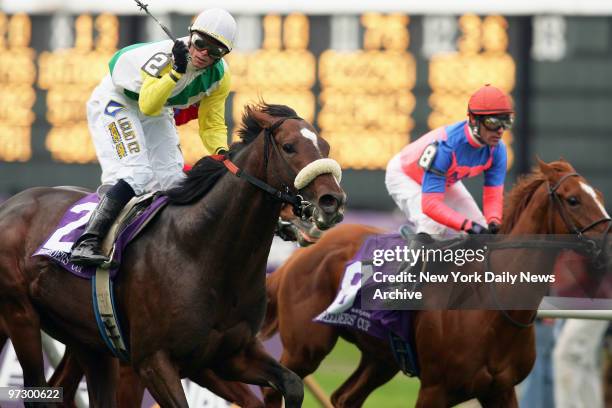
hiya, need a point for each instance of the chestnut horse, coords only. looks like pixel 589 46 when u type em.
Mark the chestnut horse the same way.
pixel 191 288
pixel 462 354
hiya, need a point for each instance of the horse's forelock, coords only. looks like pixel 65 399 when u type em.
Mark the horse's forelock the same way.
pixel 561 166
pixel 250 128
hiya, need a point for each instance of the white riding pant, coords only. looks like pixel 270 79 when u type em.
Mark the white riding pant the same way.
pixel 407 195
pixel 578 378
pixel 142 150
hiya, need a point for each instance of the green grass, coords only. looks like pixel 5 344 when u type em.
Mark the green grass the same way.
pixel 401 391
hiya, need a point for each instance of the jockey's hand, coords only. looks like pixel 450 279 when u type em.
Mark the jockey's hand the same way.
pixel 494 227
pixel 477 229
pixel 179 54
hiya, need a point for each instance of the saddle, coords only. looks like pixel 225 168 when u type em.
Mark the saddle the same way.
pixel 130 222
pixel 427 242
pixel 134 208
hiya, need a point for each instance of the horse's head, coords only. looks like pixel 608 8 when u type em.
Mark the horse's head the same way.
pixel 295 158
pixel 577 207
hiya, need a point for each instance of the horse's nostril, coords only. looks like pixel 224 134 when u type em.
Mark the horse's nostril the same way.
pixel 328 203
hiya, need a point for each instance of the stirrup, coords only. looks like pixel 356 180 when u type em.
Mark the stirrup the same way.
pixel 88 253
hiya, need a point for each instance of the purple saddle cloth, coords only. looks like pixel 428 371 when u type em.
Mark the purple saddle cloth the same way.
pixel 71 226
pixel 346 310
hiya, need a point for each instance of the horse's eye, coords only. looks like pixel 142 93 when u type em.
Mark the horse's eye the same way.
pixel 573 201
pixel 288 147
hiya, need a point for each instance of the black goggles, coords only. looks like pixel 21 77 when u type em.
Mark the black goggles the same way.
pixel 202 42
pixel 496 122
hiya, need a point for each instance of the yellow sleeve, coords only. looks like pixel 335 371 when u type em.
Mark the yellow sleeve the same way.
pixel 155 91
pixel 211 117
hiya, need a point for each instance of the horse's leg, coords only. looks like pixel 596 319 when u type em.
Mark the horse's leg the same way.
pixel 303 357
pixel 432 397
pixel 369 375
pixel 232 391
pixel 131 390
pixel 506 399
pixel 161 377
pixel 254 366
pixel 23 327
pixel 67 375
pixel 102 374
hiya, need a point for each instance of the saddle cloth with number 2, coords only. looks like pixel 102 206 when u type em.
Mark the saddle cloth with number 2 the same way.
pixel 71 226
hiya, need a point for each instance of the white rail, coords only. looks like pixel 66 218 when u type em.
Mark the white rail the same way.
pixel 577 314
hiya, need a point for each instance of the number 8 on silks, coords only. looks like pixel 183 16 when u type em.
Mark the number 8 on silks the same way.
pixel 428 156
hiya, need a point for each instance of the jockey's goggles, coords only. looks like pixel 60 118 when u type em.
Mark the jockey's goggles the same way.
pixel 495 122
pixel 203 42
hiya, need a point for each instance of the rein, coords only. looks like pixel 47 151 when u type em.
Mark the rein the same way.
pixel 529 244
pixel 286 196
pixel 586 245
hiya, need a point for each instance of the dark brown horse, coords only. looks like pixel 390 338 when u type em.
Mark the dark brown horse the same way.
pixel 69 373
pixel 462 354
pixel 191 289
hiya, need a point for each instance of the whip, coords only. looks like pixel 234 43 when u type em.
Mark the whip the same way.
pixel 144 7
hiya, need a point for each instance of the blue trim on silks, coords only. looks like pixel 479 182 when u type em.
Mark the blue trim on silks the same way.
pixel 404 355
pixel 122 355
pixel 101 328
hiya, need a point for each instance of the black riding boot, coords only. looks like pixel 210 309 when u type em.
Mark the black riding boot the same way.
pixel 86 250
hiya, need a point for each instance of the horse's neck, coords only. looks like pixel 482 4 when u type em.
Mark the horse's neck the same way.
pixel 535 217
pixel 535 220
pixel 237 212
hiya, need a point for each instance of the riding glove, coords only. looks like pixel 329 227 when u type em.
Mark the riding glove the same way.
pixel 477 229
pixel 494 227
pixel 179 53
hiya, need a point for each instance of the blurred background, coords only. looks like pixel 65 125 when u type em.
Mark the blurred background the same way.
pixel 371 75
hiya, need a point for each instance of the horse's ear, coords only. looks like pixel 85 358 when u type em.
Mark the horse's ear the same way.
pixel 546 168
pixel 543 166
pixel 263 119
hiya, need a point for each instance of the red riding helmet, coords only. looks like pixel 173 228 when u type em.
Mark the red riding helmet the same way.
pixel 489 100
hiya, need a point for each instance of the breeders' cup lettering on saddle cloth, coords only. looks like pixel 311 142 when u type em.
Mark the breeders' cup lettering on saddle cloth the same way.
pixel 71 226
pixel 346 310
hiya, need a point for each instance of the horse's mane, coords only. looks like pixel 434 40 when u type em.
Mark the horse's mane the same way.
pixel 207 171
pixel 526 185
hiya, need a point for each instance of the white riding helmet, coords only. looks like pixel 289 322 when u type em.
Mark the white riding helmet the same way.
pixel 217 23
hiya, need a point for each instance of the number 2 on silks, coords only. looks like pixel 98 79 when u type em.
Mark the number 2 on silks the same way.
pixel 156 63
pixel 55 241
